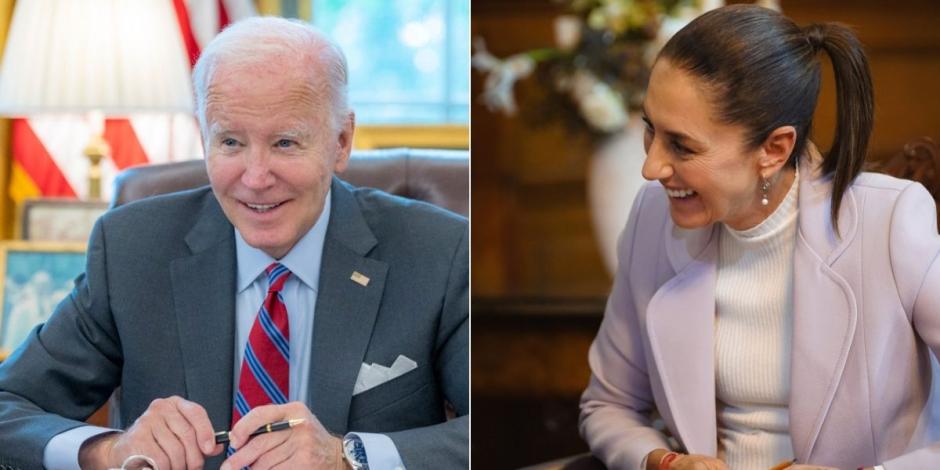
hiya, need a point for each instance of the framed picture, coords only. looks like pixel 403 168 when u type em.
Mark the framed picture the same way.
pixel 61 220
pixel 36 277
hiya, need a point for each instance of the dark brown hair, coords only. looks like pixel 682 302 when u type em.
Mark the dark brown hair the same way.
pixel 764 72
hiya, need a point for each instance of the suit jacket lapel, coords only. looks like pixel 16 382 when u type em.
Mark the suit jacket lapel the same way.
pixel 680 324
pixel 346 309
pixel 204 298
pixel 824 309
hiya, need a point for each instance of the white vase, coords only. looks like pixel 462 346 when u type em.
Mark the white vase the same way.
pixel 614 178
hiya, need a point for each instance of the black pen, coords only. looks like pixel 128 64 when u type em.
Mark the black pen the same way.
pixel 222 437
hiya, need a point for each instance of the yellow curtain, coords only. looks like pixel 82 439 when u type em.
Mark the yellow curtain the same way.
pixel 287 8
pixel 7 211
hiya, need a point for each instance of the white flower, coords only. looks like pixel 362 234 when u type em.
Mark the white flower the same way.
pixel 600 105
pixel 599 102
pixel 501 76
pixel 603 108
pixel 581 83
pixel 567 32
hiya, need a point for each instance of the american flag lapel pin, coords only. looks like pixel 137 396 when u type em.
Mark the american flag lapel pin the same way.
pixel 360 278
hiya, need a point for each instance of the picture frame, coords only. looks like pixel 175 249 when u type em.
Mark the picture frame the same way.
pixel 36 276
pixel 59 219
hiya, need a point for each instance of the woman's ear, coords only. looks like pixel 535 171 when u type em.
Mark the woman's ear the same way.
pixel 775 151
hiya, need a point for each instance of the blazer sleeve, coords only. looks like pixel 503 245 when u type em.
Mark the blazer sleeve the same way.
pixel 446 445
pixel 65 369
pixel 915 260
pixel 616 405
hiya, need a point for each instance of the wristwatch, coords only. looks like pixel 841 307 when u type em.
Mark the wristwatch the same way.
pixel 355 452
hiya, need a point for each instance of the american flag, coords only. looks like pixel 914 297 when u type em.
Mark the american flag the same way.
pixel 46 150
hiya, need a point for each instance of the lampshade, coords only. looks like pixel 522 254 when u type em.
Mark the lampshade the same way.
pixel 113 56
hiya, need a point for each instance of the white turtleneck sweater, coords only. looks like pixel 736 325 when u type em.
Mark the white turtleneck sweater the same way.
pixel 753 332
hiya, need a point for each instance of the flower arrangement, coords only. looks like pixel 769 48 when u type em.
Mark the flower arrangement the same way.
pixel 599 65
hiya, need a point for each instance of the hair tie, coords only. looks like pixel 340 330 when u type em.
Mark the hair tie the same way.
pixel 815 36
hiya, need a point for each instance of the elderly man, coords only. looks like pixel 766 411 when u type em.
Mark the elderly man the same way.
pixel 280 293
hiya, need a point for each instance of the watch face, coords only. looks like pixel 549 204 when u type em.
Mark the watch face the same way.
pixel 355 452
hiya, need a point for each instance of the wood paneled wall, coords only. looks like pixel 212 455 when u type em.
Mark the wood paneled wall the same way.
pixel 531 233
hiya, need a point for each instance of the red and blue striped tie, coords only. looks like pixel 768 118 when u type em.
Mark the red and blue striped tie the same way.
pixel 265 372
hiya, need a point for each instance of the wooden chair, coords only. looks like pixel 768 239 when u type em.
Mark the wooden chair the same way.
pixel 918 161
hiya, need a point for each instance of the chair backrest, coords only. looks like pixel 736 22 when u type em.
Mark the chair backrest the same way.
pixel 441 177
pixel 918 161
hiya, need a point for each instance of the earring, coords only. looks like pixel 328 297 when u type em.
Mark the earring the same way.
pixel 764 187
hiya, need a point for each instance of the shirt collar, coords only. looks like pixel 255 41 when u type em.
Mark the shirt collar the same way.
pixel 303 260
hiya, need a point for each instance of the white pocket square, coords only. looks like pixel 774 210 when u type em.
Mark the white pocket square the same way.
pixel 373 375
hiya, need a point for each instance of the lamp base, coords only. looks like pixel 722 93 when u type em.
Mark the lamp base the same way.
pixel 96 150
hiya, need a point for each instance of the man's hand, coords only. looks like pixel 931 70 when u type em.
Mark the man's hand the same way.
pixel 307 445
pixel 174 432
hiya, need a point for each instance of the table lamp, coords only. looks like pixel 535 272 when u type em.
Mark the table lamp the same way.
pixel 96 58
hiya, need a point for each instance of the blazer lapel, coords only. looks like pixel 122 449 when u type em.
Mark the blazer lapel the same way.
pixel 680 323
pixel 824 309
pixel 204 298
pixel 346 309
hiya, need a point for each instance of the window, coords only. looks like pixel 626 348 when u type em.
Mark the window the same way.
pixel 408 59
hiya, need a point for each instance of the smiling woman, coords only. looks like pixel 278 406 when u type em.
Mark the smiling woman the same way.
pixel 737 310
pixel 707 168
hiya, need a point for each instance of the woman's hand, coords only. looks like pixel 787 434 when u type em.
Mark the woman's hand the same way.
pixel 697 462
pixel 684 462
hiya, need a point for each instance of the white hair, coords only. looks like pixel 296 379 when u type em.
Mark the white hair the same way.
pixel 257 40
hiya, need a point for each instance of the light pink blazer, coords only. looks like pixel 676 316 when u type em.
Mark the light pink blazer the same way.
pixel 866 313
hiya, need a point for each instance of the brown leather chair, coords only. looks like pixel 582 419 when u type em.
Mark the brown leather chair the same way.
pixel 441 177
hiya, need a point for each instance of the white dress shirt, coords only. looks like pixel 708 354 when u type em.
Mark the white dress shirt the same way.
pixel 300 297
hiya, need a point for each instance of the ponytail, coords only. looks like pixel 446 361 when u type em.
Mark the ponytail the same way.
pixel 855 104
